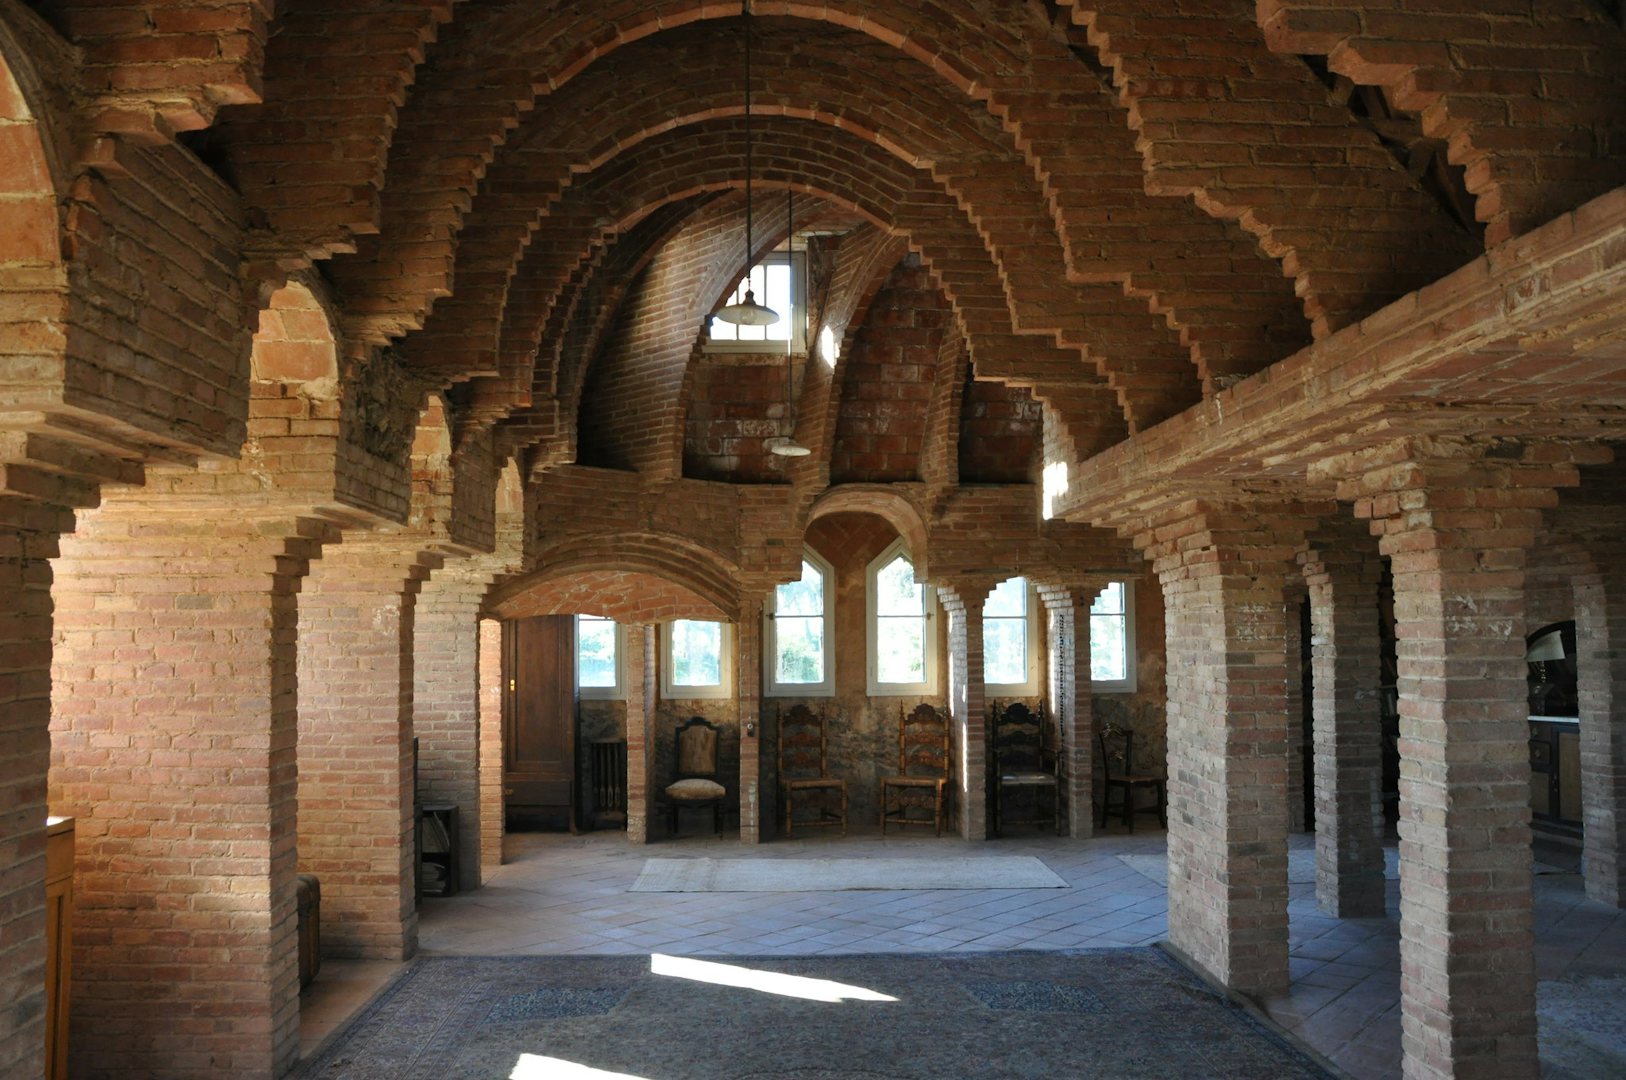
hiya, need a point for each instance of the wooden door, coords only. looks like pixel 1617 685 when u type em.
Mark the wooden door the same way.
pixel 539 721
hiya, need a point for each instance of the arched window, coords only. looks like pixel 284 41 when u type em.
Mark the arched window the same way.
pixel 1010 638
pixel 902 632
pixel 799 649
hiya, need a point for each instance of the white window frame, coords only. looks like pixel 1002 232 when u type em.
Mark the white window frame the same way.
pixel 771 686
pixel 1126 685
pixel 797 314
pixel 1028 687
pixel 602 693
pixel 671 691
pixel 875 687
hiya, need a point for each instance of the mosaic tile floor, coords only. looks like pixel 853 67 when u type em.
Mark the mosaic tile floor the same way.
pixel 562 895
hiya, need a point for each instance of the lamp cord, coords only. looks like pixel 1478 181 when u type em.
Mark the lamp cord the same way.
pixel 746 10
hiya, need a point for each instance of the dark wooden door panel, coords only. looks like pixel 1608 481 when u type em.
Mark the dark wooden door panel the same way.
pixel 539 718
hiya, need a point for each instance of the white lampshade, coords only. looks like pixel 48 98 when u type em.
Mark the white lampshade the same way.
pixel 788 448
pixel 748 312
pixel 1549 646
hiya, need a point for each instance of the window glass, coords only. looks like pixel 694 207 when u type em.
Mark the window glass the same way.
pixel 1109 635
pixel 900 624
pixel 770 282
pixel 595 652
pixel 798 629
pixel 1005 634
pixel 697 653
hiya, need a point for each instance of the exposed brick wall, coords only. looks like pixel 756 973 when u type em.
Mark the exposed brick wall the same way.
pixel 356 656
pixel 30 541
pixel 158 338
pixel 1000 433
pixel 174 680
pixel 491 742
pixel 887 386
pixel 736 405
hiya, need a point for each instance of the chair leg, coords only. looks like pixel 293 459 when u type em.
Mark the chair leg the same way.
pixel 843 811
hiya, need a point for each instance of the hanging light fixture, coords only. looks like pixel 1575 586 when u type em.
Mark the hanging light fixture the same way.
pixel 787 446
pixel 748 312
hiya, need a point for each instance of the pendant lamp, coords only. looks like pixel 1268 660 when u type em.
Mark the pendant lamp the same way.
pixel 748 312
pixel 788 446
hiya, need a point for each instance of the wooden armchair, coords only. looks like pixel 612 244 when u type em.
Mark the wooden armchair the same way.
pixel 924 765
pixel 802 770
pixel 1025 770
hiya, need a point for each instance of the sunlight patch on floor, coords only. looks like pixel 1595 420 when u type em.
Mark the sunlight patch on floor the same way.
pixel 537 1067
pixel 769 982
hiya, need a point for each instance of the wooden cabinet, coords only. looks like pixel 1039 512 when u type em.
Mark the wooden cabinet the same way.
pixel 1555 772
pixel 58 943
pixel 539 721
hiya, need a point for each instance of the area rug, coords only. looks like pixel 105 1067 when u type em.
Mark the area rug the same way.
pixel 1122 1013
pixel 841 875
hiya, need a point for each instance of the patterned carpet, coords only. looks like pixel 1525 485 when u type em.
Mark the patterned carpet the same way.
pixel 827 875
pixel 1122 1013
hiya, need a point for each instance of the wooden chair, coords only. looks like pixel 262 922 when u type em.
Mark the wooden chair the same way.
pixel 802 766
pixel 1024 769
pixel 924 763
pixel 1118 768
pixel 695 784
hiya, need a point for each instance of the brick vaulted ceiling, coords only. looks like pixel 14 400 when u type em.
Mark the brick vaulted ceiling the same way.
pixel 1117 211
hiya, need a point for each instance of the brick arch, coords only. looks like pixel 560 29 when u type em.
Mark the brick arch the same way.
pixel 1138 352
pixel 1229 306
pixel 1253 137
pixel 885 502
pixel 706 579
pixel 32 276
pixel 1461 71
pixel 492 95
pixel 630 597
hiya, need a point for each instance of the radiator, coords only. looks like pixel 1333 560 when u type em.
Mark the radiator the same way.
pixel 608 774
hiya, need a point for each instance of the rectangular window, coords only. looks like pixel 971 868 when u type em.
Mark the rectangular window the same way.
pixel 771 283
pixel 1112 639
pixel 598 657
pixel 797 634
pixel 698 660
pixel 1008 638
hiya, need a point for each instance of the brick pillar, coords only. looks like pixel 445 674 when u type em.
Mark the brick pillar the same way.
pixel 174 729
pixel 968 702
pixel 490 723
pixel 1224 577
pixel 1067 612
pixel 1600 635
pixel 1342 575
pixel 1294 644
pixel 446 701
pixel 355 744
pixel 748 695
pixel 1456 531
pixel 639 669
pixel 28 540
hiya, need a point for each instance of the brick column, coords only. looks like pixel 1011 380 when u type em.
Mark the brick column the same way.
pixel 968 702
pixel 638 667
pixel 748 696
pixel 1067 611
pixel 1293 644
pixel 355 744
pixel 28 540
pixel 490 738
pixel 1224 577
pixel 1600 636
pixel 174 732
pixel 1456 530
pixel 446 701
pixel 1342 575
